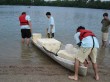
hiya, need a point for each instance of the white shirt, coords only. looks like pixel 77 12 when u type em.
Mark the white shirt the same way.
pixel 51 22
pixel 26 26
pixel 87 41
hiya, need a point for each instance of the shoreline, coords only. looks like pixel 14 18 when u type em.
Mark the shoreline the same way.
pixel 54 72
pixel 54 6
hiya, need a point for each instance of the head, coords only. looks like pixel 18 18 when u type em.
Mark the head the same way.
pixel 48 14
pixel 105 15
pixel 23 13
pixel 80 28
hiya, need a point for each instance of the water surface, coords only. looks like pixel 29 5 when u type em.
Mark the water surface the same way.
pixel 66 20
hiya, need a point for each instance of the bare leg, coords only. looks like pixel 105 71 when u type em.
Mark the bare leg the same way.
pixel 23 40
pixel 28 41
pixel 96 71
pixel 105 43
pixel 48 35
pixel 102 43
pixel 75 77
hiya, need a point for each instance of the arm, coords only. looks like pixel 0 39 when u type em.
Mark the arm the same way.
pixel 51 27
pixel 109 22
pixel 51 24
pixel 76 37
pixel 101 21
pixel 47 32
pixel 30 25
pixel 29 20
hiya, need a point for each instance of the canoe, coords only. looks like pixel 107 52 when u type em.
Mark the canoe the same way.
pixel 52 48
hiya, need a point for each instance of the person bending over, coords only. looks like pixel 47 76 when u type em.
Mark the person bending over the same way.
pixel 88 48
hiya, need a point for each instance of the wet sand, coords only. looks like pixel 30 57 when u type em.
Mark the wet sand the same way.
pixel 50 72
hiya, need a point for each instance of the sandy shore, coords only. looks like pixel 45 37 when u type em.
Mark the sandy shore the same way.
pixel 46 73
pixel 50 71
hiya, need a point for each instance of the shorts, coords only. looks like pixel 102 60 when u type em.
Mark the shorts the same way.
pixel 25 33
pixel 84 53
pixel 50 35
pixel 104 36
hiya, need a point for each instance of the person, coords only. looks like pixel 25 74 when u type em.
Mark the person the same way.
pixel 88 43
pixel 105 29
pixel 26 27
pixel 78 43
pixel 51 28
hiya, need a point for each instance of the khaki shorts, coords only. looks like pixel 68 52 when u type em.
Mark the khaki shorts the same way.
pixel 85 52
pixel 104 36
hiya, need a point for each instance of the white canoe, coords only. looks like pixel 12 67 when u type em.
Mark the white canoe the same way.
pixel 69 64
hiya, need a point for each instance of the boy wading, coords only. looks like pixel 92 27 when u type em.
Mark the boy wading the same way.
pixel 26 27
pixel 105 29
pixel 51 28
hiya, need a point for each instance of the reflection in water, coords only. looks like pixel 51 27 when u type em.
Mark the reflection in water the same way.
pixel 104 57
pixel 26 54
pixel 32 55
pixel 101 55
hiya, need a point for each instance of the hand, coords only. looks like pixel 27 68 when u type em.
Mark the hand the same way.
pixel 79 44
pixel 30 29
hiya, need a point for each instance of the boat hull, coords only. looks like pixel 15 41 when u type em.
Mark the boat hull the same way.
pixel 64 62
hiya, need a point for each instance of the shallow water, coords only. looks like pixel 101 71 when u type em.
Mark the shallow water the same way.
pixel 66 20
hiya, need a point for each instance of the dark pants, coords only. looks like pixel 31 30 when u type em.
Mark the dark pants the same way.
pixel 50 35
pixel 25 33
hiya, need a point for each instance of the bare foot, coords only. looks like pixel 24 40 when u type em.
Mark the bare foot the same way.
pixel 97 77
pixel 73 77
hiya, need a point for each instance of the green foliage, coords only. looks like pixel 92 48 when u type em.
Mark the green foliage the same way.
pixel 63 3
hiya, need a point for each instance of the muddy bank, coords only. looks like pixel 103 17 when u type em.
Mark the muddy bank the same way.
pixel 40 74
pixel 47 73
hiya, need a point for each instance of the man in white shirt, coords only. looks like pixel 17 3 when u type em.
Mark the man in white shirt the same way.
pixel 88 48
pixel 51 28
pixel 26 27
